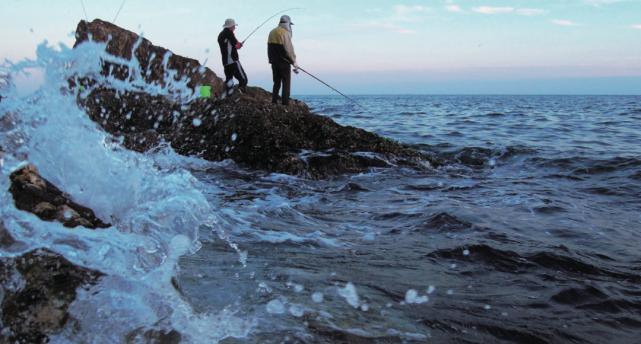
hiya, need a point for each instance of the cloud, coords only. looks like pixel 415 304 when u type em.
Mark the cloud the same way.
pixel 563 22
pixel 453 8
pixel 637 26
pixel 405 9
pixel 529 12
pixel 401 15
pixel 598 3
pixel 408 13
pixel 493 10
pixel 504 10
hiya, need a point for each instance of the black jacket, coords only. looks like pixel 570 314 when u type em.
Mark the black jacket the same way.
pixel 227 42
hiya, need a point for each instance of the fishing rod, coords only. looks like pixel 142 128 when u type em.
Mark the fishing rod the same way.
pixel 268 19
pixel 328 85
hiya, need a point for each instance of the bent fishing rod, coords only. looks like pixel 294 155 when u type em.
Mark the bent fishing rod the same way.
pixel 268 19
pixel 330 86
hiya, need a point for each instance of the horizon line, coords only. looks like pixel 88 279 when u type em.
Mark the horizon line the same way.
pixel 475 94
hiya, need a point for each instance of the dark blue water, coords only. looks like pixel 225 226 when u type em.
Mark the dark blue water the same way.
pixel 529 233
pixel 561 126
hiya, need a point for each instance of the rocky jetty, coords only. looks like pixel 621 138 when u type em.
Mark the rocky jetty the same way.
pixel 245 127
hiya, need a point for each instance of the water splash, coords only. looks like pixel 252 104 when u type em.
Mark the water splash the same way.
pixel 156 213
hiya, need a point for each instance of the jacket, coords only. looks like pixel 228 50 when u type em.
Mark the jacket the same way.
pixel 227 42
pixel 279 46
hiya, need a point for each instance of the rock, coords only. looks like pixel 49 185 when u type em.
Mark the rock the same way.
pixel 4 83
pixel 154 336
pixel 155 62
pixel 35 194
pixel 7 242
pixel 36 290
pixel 244 127
pixel 248 130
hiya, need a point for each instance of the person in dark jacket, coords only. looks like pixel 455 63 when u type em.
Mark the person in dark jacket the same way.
pixel 282 56
pixel 229 46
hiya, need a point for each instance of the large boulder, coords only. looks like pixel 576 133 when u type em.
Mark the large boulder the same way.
pixel 157 64
pixel 37 195
pixel 244 127
pixel 248 130
pixel 36 290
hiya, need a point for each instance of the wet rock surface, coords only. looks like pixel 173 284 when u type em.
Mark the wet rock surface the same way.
pixel 244 127
pixel 157 65
pixel 154 336
pixel 36 290
pixel 36 195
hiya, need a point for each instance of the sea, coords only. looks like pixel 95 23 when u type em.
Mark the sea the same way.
pixel 528 232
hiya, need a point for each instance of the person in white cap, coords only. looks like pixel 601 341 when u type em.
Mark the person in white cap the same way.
pixel 282 56
pixel 229 46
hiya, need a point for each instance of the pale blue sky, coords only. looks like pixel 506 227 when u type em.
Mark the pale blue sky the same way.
pixel 380 46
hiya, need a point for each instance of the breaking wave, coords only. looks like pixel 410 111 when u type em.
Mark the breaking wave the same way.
pixel 157 213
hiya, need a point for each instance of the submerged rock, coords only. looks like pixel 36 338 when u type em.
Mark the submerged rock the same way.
pixel 244 127
pixel 36 290
pixel 37 195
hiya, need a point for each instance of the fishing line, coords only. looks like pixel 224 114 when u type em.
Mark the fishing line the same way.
pixel 330 86
pixel 118 13
pixel 268 19
pixel 84 10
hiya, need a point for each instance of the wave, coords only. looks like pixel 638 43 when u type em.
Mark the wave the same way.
pixel 474 157
pixel 511 261
pixel 582 166
pixel 446 223
pixel 157 213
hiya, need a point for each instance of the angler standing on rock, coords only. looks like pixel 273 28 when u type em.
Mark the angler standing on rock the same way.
pixel 281 56
pixel 229 46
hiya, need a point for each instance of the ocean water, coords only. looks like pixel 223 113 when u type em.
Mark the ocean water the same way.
pixel 528 233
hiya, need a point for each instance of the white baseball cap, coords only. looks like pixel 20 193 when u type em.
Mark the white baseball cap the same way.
pixel 229 23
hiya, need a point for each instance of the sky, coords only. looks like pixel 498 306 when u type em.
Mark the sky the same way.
pixel 379 46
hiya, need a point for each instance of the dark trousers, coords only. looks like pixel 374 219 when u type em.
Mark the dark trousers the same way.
pixel 282 73
pixel 235 70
